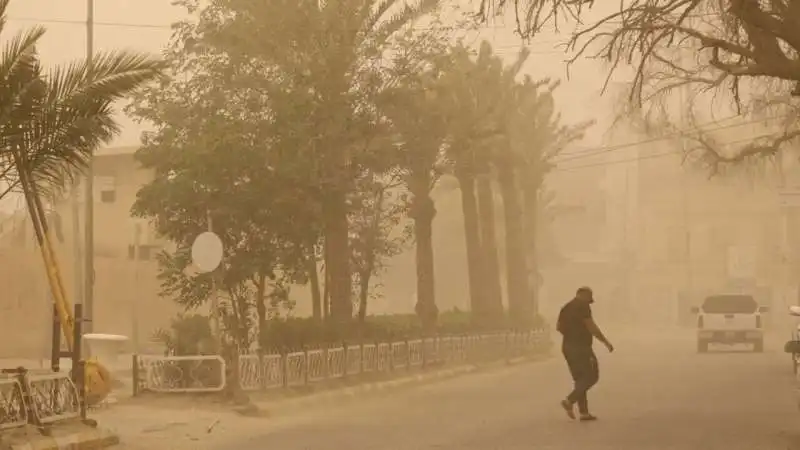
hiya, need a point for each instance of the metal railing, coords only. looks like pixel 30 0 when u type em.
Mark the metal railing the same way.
pixel 208 373
pixel 201 373
pixel 39 399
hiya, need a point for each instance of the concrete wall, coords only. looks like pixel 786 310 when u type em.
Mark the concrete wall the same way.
pixel 123 289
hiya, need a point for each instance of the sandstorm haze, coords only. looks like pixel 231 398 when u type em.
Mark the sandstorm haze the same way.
pixel 439 202
pixel 627 217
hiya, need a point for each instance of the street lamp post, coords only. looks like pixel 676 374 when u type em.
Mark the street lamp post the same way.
pixel 88 248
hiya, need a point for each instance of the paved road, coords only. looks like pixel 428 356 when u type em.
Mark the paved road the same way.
pixel 654 393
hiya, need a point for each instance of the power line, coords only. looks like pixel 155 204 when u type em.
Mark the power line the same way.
pixel 83 23
pixel 153 26
pixel 645 157
pixel 612 163
pixel 612 148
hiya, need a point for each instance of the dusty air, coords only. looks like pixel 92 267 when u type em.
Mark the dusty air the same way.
pixel 400 224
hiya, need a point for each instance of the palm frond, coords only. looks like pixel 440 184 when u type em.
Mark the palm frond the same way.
pixel 55 121
pixel 109 77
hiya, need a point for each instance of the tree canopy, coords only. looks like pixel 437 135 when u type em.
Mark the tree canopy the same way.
pixel 747 49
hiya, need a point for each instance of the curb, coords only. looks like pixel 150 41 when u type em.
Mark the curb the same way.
pixel 80 437
pixel 337 396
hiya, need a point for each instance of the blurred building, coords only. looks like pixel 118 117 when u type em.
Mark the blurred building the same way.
pixel 698 234
pixel 125 290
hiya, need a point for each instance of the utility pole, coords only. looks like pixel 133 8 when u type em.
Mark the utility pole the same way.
pixel 214 297
pixel 137 245
pixel 77 254
pixel 88 225
pixel 685 210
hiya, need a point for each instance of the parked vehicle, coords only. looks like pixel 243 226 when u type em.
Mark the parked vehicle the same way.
pixel 730 319
pixel 793 346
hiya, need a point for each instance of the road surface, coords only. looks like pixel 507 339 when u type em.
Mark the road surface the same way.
pixel 655 392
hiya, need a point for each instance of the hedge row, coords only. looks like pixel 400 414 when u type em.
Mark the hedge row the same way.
pixel 191 334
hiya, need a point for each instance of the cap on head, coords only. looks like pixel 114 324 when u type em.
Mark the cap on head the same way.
pixel 585 292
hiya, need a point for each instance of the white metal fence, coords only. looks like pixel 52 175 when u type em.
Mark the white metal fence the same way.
pixel 209 373
pixel 39 399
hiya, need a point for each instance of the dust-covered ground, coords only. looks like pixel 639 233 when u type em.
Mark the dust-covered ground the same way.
pixel 655 392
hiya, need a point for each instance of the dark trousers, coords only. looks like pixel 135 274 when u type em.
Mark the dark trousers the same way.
pixel 585 372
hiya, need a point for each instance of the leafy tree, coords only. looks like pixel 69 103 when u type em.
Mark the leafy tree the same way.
pixel 749 49
pixel 379 208
pixel 212 162
pixel 323 56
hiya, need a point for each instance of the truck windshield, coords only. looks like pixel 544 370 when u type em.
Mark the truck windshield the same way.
pixel 730 304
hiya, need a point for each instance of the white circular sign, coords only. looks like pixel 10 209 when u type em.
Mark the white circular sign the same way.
pixel 207 252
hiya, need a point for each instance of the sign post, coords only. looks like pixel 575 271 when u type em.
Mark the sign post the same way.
pixel 207 253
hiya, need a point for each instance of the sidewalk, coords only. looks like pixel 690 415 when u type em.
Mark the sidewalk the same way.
pixel 197 422
pixel 144 427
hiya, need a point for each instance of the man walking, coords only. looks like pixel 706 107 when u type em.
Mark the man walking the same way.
pixel 576 325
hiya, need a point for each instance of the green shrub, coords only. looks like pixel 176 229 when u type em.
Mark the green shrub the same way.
pixel 288 334
pixel 191 334
pixel 188 335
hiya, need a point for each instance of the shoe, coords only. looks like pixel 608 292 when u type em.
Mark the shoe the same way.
pixel 588 418
pixel 568 408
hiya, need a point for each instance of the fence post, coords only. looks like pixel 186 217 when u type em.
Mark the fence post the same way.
pixel 506 347
pixel 55 349
pixel 78 366
pixel 422 350
pixel 305 365
pixel 325 362
pixel 285 367
pixel 391 356
pixel 435 350
pixel 408 355
pixel 261 370
pixel 346 357
pixel 361 359
pixel 377 357
pixel 135 374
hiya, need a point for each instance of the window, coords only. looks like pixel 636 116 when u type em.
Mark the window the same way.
pixel 730 304
pixel 107 189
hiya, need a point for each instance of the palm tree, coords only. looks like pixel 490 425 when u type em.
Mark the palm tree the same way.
pixel 536 137
pixel 53 120
pixel 476 106
pixel 50 123
pixel 500 79
pixel 415 112
pixel 526 139
pixel 323 54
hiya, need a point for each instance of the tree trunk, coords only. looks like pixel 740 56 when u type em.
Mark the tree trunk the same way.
pixel 469 207
pixel 337 255
pixel 531 214
pixel 261 310
pixel 519 307
pixel 237 339
pixel 326 296
pixel 363 296
pixel 494 290
pixel 313 281
pixel 423 211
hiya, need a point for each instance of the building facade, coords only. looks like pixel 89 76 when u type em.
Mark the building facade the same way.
pixel 126 297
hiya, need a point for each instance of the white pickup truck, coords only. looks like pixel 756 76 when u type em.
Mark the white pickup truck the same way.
pixel 730 319
pixel 793 346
